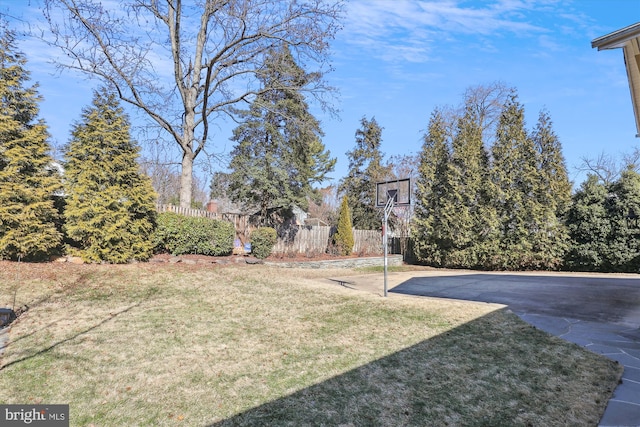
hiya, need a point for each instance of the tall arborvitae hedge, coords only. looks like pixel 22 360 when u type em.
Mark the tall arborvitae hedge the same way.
pixel 28 179
pixel 604 227
pixel 110 211
pixel 516 177
pixel 623 205
pixel 343 238
pixel 553 194
pixel 472 214
pixel 429 231
pixel 589 227
pixel 506 211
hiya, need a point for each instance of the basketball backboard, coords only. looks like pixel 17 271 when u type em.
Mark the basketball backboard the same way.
pixel 399 190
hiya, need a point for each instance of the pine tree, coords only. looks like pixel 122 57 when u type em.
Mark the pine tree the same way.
pixel 365 170
pixel 603 225
pixel 110 212
pixel 553 196
pixel 455 223
pixel 622 252
pixel 279 153
pixel 343 238
pixel 516 176
pixel 430 245
pixel 472 212
pixel 589 227
pixel 28 179
pixel 472 218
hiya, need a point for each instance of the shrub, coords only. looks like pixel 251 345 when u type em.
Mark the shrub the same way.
pixel 262 241
pixel 343 239
pixel 180 235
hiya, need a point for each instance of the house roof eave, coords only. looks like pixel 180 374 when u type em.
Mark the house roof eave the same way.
pixel 618 38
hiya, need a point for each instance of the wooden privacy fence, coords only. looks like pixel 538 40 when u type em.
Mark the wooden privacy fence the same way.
pixel 367 242
pixel 187 211
pixel 302 239
pixel 306 239
pixel 240 222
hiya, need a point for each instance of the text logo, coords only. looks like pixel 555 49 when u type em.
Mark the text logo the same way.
pixel 34 415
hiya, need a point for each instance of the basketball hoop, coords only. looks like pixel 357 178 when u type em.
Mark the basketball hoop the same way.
pixel 390 194
pixel 398 191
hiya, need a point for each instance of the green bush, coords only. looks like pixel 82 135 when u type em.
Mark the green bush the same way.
pixel 262 241
pixel 343 238
pixel 180 235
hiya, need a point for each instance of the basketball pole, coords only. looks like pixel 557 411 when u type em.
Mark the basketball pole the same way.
pixel 387 195
pixel 385 241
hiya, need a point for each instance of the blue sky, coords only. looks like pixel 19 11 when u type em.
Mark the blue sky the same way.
pixel 397 60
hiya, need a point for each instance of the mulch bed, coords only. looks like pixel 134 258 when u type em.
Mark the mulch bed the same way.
pixel 244 259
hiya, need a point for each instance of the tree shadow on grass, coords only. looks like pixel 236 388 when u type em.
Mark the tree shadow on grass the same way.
pixel 465 376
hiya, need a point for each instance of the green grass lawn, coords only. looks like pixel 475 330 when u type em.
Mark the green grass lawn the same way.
pixel 199 345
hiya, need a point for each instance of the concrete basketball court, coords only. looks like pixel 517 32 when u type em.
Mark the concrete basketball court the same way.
pixel 598 311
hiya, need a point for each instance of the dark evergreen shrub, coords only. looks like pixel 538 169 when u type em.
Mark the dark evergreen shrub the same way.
pixel 178 235
pixel 262 241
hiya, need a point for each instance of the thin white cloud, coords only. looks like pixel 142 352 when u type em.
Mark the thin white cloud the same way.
pixel 408 30
pixel 500 17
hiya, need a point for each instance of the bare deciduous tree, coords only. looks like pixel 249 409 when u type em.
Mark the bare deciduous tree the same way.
pixel 186 64
pixel 631 160
pixel 608 168
pixel 326 208
pixel 487 102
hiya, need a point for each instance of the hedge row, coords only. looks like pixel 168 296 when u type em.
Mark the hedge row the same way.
pixel 180 235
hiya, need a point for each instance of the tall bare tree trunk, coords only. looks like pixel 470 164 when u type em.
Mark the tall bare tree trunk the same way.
pixel 186 180
pixel 188 156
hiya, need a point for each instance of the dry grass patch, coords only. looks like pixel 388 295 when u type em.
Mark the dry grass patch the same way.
pixel 194 345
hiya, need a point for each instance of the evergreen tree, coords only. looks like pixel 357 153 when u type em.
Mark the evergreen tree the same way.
pixel 455 223
pixel 343 238
pixel 553 196
pixel 279 154
pixel 622 252
pixel 430 243
pixel 28 179
pixel 603 225
pixel 463 184
pixel 475 213
pixel 589 227
pixel 365 170
pixel 516 176
pixel 110 212
pixel 472 217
